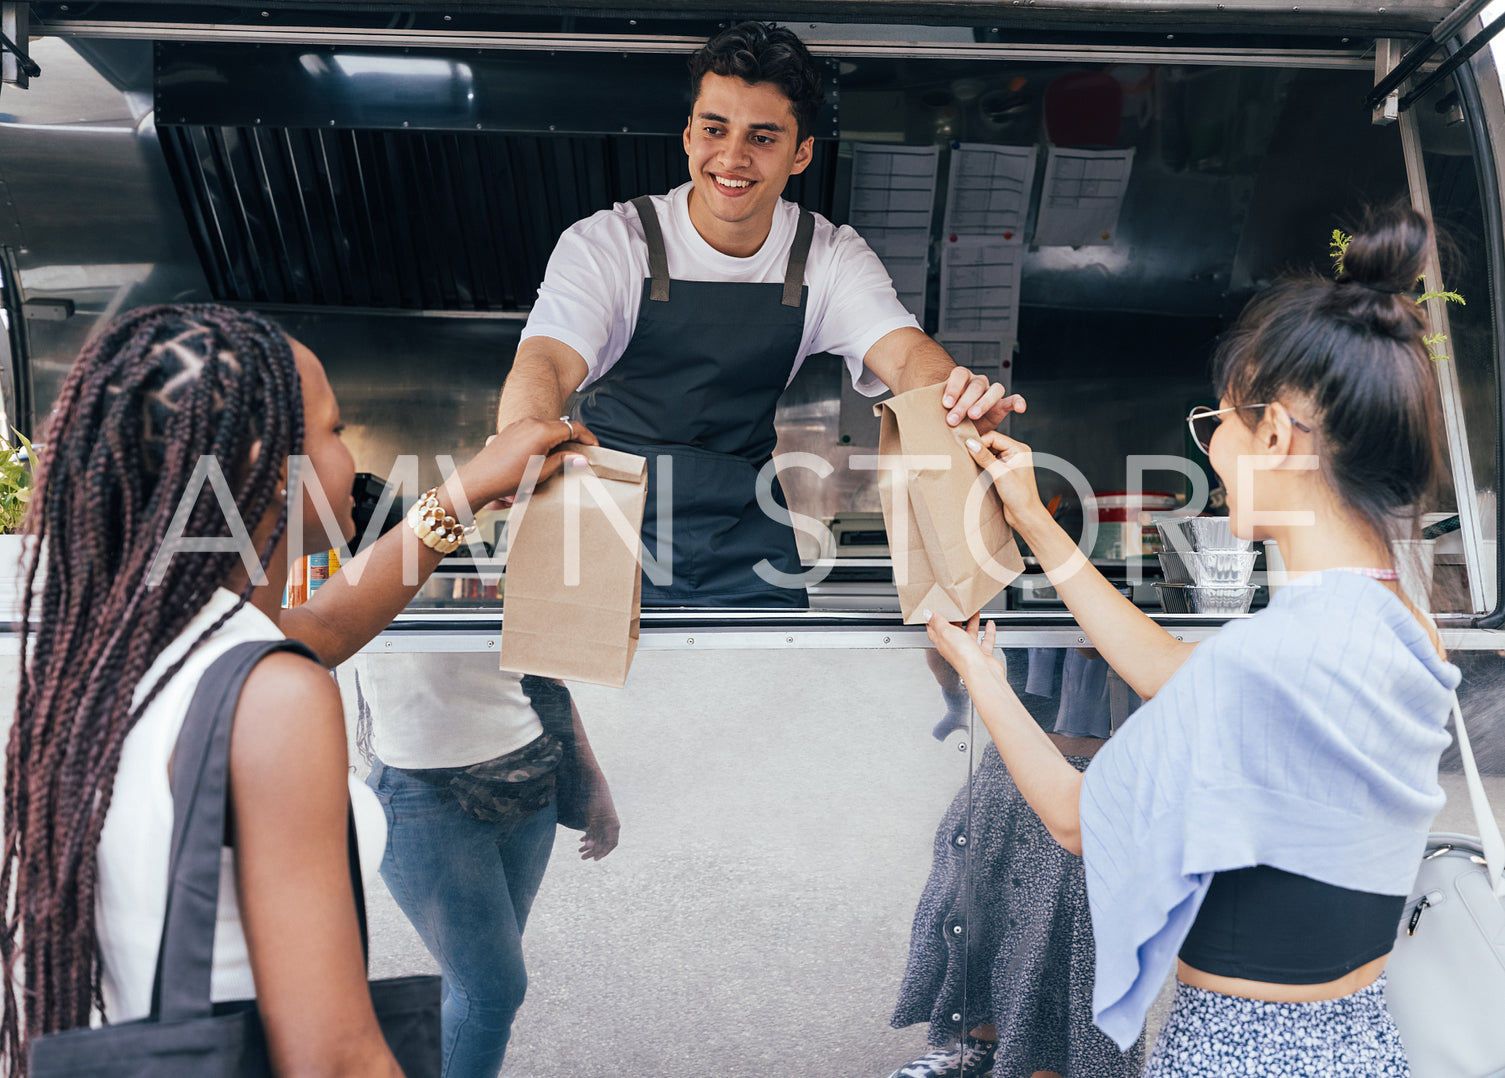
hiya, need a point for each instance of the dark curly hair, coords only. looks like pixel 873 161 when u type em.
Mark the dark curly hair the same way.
pixel 763 52
pixel 1352 348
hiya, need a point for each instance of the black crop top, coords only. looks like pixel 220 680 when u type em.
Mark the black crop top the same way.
pixel 1262 924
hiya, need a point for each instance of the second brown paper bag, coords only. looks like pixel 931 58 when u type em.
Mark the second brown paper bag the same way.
pixel 571 597
pixel 926 507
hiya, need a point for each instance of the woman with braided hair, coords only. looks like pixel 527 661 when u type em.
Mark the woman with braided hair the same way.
pixel 125 629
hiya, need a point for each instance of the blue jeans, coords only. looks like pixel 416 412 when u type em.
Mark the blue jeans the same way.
pixel 467 886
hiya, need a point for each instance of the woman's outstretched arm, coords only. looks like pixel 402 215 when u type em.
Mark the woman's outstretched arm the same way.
pixel 1142 653
pixel 1048 782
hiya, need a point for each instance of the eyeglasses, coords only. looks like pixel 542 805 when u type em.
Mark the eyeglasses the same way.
pixel 1203 421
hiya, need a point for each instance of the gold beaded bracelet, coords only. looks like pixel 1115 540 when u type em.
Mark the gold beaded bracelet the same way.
pixel 439 531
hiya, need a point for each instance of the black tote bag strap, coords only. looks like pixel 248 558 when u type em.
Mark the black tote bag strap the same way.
pixel 200 785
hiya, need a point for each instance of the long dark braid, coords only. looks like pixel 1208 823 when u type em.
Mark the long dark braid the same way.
pixel 156 390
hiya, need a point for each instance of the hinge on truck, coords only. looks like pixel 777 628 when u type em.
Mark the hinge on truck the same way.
pixel 1390 73
pixel 15 65
pixel 1387 108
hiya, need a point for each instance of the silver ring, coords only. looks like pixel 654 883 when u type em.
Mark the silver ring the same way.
pixel 566 421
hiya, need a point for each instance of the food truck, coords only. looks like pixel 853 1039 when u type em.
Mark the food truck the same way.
pixel 1075 197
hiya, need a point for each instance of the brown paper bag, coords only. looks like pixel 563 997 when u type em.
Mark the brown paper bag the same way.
pixel 573 583
pixel 951 554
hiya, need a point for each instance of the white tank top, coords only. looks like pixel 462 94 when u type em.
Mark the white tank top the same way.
pixel 444 710
pixel 131 895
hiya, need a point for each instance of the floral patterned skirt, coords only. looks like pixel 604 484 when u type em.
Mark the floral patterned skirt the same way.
pixel 1210 1035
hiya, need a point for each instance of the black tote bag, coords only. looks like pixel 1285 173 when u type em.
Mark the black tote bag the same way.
pixel 185 1035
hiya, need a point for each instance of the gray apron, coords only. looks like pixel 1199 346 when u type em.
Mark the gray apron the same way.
pixel 699 381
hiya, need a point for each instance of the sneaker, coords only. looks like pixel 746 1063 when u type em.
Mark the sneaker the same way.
pixel 970 1059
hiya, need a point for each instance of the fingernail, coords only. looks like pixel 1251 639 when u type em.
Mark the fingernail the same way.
pixel 948 401
pixel 575 460
pixel 974 445
pixel 954 418
pixel 926 614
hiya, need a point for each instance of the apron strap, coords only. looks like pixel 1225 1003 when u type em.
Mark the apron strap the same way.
pixel 799 252
pixel 658 258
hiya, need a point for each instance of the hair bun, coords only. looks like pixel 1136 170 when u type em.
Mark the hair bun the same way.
pixel 1389 252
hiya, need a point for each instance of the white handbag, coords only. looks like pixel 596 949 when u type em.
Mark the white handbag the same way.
pixel 1446 976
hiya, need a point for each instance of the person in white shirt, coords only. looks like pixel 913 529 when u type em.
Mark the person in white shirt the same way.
pixel 679 319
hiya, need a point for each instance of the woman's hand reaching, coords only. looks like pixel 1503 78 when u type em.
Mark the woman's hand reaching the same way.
pixel 492 476
pixel 1011 465
pixel 959 645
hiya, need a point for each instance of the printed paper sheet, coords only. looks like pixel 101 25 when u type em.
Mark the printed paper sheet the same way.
pixel 893 189
pixel 1084 190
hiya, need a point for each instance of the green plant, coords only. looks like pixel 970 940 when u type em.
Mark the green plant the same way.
pixel 1338 247
pixel 15 482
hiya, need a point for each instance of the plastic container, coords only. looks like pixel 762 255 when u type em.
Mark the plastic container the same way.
pixel 1122 527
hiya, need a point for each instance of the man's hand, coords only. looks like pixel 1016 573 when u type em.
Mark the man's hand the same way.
pixel 973 397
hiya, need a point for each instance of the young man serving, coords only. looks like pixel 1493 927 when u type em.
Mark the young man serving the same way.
pixel 681 318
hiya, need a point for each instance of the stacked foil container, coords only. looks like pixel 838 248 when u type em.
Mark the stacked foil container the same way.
pixel 1207 569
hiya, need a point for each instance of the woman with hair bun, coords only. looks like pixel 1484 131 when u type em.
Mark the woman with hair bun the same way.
pixel 122 637
pixel 1259 823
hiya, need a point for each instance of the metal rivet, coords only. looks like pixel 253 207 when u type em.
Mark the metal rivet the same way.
pixel 961 746
pixel 956 930
pixel 404 123
pixel 690 640
pixel 788 639
pixel 961 840
pixel 266 14
pixel 956 1018
pixel 447 18
pixel 885 640
pixel 389 643
pixel 1170 37
pixel 1179 638
pixel 624 130
pixel 551 127
pixel 632 22
pixel 1345 41
pixel 488 643
pixel 331 123
pixel 258 120
pixel 1081 640
pixel 478 127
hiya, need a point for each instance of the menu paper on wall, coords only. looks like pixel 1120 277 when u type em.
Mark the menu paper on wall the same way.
pixel 893 190
pixel 1083 193
pixel 980 278
pixel 988 191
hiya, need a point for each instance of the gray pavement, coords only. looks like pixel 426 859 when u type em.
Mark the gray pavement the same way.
pixel 777 815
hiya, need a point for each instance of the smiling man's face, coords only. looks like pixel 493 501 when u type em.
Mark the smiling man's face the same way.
pixel 743 144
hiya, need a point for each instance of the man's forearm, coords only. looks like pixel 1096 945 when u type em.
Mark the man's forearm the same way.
pixel 531 392
pixel 544 374
pixel 925 364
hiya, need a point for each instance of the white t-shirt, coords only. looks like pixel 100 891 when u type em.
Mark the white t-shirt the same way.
pixel 134 847
pixel 430 710
pixel 591 290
